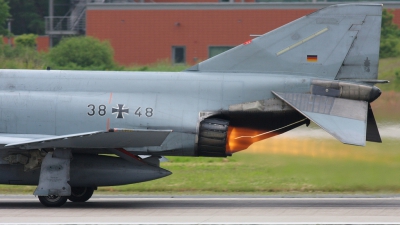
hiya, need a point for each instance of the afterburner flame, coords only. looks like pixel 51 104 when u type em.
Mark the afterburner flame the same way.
pixel 240 138
pixel 318 148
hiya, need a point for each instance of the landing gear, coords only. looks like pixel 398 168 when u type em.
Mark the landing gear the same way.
pixel 81 194
pixel 53 188
pixel 53 200
pixel 78 194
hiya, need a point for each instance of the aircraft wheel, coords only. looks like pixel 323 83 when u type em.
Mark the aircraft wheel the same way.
pixel 81 194
pixel 53 200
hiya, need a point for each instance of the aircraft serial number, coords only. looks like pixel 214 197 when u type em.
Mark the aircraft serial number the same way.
pixel 120 111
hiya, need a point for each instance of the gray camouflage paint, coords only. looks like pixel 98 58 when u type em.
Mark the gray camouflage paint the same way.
pixel 52 103
pixel 43 104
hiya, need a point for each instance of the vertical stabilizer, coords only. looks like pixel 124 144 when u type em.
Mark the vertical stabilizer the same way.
pixel 339 41
pixel 362 59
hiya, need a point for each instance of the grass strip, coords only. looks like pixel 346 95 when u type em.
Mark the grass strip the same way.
pixel 276 165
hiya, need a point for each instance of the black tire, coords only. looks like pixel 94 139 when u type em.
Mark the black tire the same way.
pixel 53 200
pixel 80 194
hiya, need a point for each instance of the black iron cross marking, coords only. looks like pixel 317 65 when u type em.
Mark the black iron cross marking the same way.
pixel 120 110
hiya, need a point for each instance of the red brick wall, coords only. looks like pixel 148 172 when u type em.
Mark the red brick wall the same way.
pixel 396 18
pixel 5 40
pixel 42 43
pixel 145 36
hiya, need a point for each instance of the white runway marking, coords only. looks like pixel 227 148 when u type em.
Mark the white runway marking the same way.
pixel 199 210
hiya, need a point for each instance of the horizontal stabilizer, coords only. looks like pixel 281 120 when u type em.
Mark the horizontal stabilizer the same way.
pixel 113 138
pixel 345 119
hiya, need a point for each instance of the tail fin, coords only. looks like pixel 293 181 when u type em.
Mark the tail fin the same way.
pixel 340 41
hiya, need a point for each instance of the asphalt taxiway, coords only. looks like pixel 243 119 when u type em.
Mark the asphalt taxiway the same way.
pixel 204 210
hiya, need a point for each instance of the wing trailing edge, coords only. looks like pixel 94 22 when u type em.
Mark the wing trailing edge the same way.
pixel 349 121
pixel 113 138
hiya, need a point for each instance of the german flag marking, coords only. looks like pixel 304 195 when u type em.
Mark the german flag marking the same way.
pixel 312 58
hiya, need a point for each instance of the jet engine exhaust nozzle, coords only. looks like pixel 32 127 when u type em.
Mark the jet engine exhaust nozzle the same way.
pixel 213 138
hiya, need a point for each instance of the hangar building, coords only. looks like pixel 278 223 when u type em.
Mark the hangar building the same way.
pixel 186 31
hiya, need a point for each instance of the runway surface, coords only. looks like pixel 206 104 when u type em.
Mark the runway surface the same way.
pixel 203 210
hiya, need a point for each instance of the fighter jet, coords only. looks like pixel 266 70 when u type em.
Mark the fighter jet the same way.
pixel 69 132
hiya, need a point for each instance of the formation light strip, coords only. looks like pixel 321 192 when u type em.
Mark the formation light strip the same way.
pixel 302 41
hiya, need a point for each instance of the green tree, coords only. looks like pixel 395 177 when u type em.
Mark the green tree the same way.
pixel 23 55
pixel 82 53
pixel 389 29
pixel 28 15
pixel 26 40
pixel 390 36
pixel 4 14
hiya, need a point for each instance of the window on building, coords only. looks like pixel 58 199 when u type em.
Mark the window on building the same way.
pixel 224 0
pixel 215 50
pixel 178 54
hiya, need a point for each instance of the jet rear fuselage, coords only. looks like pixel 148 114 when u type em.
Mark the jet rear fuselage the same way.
pixel 65 102
pixel 319 68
